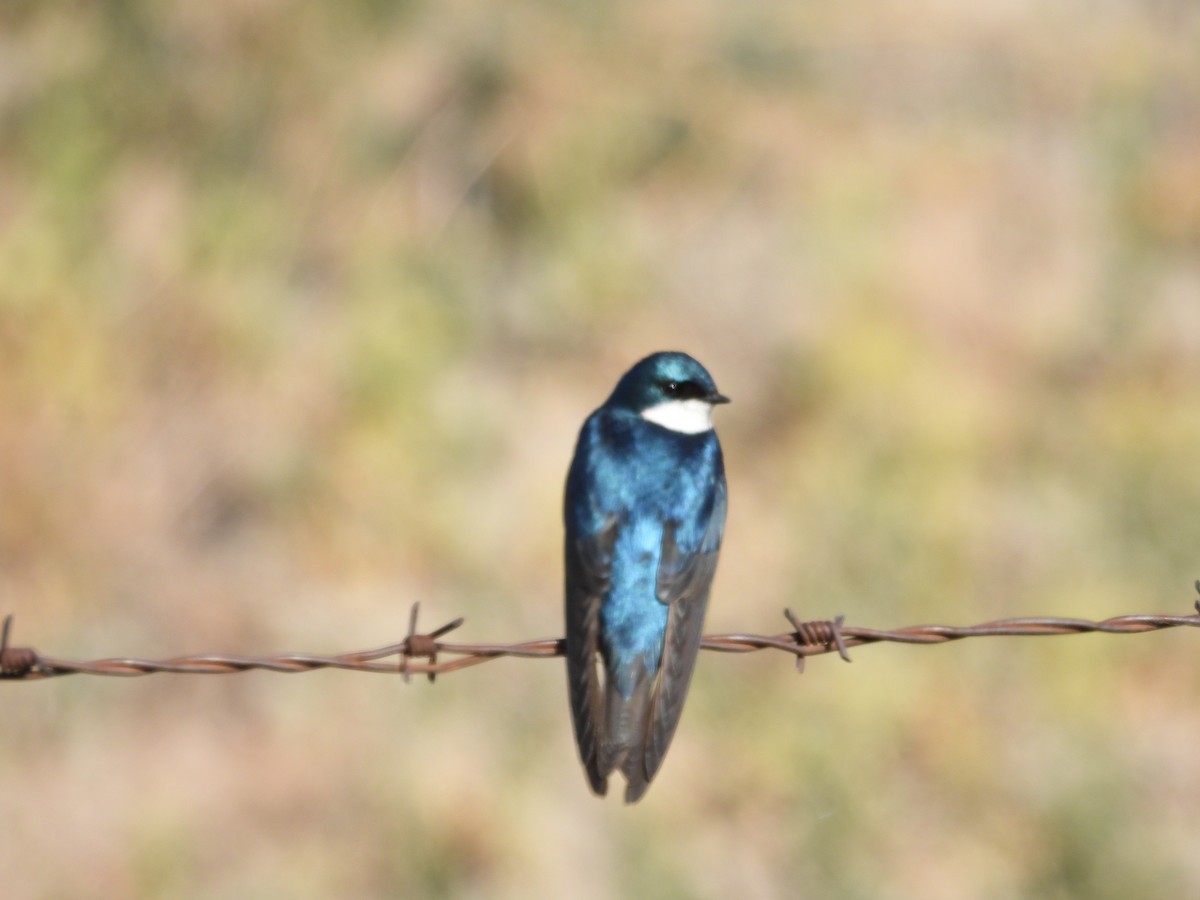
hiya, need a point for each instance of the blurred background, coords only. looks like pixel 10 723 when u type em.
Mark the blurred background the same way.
pixel 301 308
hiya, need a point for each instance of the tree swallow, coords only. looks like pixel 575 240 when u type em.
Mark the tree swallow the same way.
pixel 644 512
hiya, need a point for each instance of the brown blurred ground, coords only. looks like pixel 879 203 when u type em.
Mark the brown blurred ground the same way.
pixel 302 304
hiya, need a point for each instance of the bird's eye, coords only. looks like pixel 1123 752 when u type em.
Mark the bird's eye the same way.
pixel 672 387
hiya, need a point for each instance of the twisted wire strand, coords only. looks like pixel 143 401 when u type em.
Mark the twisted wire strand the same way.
pixel 418 653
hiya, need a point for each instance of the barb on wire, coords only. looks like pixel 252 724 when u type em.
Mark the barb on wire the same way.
pixel 806 639
pixel 423 645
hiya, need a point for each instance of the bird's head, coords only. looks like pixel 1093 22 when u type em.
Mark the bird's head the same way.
pixel 670 389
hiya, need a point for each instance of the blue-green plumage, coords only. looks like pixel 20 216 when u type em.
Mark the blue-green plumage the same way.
pixel 644 512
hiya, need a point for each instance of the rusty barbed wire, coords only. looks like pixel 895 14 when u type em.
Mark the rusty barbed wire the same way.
pixel 811 638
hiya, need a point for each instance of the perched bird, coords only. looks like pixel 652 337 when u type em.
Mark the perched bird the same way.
pixel 644 513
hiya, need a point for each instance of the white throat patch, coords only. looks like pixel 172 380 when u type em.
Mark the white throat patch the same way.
pixel 685 416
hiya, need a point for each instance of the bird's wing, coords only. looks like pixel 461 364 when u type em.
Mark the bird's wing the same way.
pixel 588 566
pixel 684 580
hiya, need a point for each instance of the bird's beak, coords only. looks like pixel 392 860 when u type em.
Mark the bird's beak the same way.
pixel 714 398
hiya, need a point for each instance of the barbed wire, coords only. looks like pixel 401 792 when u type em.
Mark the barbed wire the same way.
pixel 418 653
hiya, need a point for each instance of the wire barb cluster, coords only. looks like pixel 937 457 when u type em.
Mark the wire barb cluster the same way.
pixel 418 653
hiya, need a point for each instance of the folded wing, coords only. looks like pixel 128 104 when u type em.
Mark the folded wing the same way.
pixel 684 580
pixel 588 566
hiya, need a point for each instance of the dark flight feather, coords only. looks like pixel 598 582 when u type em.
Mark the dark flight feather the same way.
pixel 588 564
